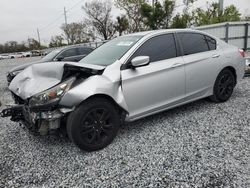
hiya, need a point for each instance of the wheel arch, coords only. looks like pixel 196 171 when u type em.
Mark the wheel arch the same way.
pixel 105 96
pixel 233 70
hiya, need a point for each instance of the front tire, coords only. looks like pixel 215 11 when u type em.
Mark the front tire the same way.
pixel 94 124
pixel 224 86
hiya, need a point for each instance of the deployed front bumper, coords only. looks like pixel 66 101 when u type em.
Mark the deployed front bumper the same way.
pixel 42 122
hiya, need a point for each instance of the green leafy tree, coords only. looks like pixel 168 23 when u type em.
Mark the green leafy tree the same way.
pixel 122 24
pixel 132 9
pixel 13 46
pixel 159 15
pixel 185 19
pixel 182 21
pixel 214 15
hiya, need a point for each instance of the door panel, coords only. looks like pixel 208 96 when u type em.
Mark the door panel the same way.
pixel 201 70
pixel 154 86
pixel 201 61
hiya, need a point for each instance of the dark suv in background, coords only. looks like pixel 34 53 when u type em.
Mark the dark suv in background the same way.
pixel 70 53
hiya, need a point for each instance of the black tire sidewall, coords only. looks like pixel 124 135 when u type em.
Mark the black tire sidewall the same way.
pixel 216 95
pixel 74 123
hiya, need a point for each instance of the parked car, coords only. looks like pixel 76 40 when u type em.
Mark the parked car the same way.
pixel 26 54
pixel 12 56
pixel 36 53
pixel 126 79
pixel 19 55
pixel 73 53
pixel 5 56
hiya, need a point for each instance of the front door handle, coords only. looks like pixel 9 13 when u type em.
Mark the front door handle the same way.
pixel 176 65
pixel 216 56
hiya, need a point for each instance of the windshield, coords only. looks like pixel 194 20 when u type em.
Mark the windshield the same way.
pixel 51 55
pixel 111 51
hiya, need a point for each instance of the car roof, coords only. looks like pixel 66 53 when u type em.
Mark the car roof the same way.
pixel 75 46
pixel 153 32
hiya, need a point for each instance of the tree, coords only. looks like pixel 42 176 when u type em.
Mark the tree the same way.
pixel 158 16
pixel 56 41
pixel 181 21
pixel 121 24
pixel 75 33
pixel 214 15
pixel 132 9
pixel 12 46
pixel 99 17
pixel 185 19
pixel 33 44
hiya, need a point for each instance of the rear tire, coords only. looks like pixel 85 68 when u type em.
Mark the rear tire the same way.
pixel 94 124
pixel 224 86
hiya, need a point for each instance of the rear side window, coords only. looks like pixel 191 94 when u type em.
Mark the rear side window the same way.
pixel 193 43
pixel 158 48
pixel 211 43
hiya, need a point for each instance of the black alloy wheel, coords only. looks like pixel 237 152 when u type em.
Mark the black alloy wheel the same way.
pixel 94 124
pixel 224 86
pixel 97 126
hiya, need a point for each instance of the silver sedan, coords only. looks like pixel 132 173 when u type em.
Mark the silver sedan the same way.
pixel 128 78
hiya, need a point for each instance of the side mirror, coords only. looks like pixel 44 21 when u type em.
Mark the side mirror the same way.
pixel 140 61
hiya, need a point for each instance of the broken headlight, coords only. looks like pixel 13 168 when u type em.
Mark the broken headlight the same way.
pixel 52 95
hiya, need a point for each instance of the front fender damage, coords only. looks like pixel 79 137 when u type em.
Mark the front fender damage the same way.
pixel 108 83
pixel 91 80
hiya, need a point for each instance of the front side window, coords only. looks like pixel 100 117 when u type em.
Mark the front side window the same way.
pixel 193 43
pixel 158 48
pixel 51 55
pixel 84 50
pixel 69 53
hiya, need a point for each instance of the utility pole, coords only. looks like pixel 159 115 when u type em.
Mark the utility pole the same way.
pixel 66 24
pixel 29 41
pixel 38 35
pixel 221 3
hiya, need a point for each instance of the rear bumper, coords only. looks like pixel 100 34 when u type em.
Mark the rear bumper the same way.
pixel 42 123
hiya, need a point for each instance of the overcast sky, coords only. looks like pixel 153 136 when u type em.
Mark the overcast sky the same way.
pixel 19 19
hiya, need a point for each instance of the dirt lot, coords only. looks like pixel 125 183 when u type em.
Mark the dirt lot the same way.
pixel 197 145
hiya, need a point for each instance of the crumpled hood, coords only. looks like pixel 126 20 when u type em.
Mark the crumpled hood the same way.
pixel 40 77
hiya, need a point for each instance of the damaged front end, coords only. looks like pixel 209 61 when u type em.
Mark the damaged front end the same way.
pixel 41 122
pixel 40 111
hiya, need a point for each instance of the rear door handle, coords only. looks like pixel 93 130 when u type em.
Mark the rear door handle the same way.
pixel 216 56
pixel 176 65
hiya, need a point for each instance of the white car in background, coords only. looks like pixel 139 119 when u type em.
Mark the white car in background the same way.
pixel 27 54
pixel 4 56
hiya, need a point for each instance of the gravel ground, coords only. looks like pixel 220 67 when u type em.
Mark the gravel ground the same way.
pixel 197 145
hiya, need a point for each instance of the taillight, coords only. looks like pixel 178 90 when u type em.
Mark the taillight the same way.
pixel 242 52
